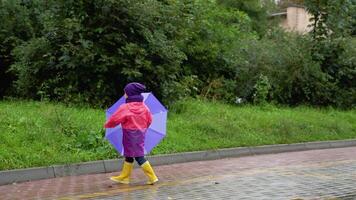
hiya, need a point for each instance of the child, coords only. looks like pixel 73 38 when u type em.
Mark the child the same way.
pixel 135 118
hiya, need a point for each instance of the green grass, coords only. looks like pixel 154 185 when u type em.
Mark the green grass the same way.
pixel 197 125
pixel 41 134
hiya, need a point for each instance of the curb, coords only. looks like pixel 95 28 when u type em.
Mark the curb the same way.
pixel 106 166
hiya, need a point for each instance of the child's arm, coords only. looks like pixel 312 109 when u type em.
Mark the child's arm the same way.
pixel 117 118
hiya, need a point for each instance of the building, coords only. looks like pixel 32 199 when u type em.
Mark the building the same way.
pixel 295 18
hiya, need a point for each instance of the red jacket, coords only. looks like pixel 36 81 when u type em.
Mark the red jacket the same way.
pixel 134 118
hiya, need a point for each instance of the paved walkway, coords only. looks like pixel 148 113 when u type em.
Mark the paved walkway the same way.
pixel 318 174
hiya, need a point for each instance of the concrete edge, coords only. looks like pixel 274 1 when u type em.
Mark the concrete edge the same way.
pixel 79 168
pixel 106 166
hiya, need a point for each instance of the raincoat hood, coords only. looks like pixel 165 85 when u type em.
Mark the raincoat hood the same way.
pixel 137 107
pixel 133 91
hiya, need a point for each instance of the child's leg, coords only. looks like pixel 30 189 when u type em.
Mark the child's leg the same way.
pixel 147 169
pixel 140 160
pixel 125 173
pixel 129 159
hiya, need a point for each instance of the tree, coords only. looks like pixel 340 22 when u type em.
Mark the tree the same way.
pixel 333 26
pixel 88 50
pixel 286 3
pixel 15 28
pixel 255 9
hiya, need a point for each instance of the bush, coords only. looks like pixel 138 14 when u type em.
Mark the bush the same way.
pixel 262 88
pixel 215 32
pixel 89 50
pixel 221 89
pixel 177 90
pixel 339 62
pixel 15 27
pixel 285 59
pixel 86 51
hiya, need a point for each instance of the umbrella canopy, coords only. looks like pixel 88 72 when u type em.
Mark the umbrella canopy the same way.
pixel 155 133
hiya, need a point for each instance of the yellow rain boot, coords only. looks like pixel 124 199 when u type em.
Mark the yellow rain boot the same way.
pixel 125 174
pixel 147 169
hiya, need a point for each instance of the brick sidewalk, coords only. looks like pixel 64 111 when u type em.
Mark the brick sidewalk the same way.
pixel 317 174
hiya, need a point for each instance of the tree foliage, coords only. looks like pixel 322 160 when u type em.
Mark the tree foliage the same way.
pixel 333 27
pixel 81 51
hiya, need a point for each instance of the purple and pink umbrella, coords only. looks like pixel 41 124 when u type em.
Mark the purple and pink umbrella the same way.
pixel 155 133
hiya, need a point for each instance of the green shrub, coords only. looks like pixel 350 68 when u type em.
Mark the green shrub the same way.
pixel 89 50
pixel 15 27
pixel 286 60
pixel 262 88
pixel 83 52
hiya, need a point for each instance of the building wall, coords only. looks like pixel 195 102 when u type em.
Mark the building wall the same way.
pixel 297 19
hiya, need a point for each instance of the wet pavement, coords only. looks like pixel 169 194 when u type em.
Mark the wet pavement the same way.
pixel 317 174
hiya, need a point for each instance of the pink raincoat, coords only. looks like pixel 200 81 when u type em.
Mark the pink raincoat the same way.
pixel 134 118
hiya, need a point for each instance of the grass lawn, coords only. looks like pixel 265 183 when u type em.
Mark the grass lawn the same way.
pixel 40 134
